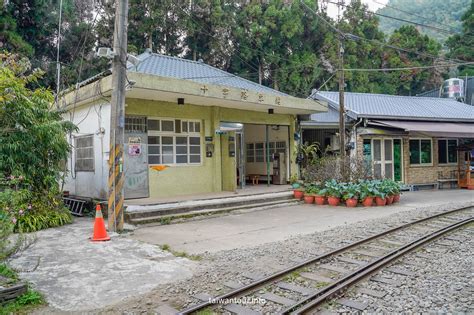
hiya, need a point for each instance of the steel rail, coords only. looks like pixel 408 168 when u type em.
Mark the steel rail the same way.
pixel 251 286
pixel 321 296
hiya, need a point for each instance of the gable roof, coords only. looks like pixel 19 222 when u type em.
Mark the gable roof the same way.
pixel 179 68
pixel 381 106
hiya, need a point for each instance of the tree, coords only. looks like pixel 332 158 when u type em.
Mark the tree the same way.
pixel 462 46
pixel 32 136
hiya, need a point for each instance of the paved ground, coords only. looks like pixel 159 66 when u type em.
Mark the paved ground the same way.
pixel 260 227
pixel 76 274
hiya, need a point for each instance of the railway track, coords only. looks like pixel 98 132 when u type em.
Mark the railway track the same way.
pixel 303 287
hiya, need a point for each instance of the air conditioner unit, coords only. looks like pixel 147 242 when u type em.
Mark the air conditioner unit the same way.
pixel 105 52
pixel 335 142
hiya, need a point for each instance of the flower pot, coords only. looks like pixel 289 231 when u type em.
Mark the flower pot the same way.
pixel 352 202
pixel 319 200
pixel 298 194
pixel 308 199
pixel 368 201
pixel 334 201
pixel 380 201
pixel 396 198
pixel 389 200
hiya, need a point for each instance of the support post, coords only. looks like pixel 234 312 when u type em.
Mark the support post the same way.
pixel 342 123
pixel 117 119
pixel 267 149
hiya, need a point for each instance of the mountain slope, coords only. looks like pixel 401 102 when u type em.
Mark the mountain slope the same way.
pixel 444 14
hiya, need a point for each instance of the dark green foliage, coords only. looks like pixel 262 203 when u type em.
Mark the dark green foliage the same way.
pixel 462 46
pixel 438 13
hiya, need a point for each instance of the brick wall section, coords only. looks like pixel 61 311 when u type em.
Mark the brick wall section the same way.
pixel 414 174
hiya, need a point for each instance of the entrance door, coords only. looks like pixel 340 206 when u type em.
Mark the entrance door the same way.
pixel 383 157
pixel 136 165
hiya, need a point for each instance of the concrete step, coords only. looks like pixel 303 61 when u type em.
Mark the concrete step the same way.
pixel 153 210
pixel 194 213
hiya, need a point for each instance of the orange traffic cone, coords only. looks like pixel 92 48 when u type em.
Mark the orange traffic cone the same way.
pixel 100 234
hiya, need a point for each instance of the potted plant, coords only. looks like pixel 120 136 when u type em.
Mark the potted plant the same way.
pixel 309 194
pixel 396 192
pixel 380 194
pixel 366 193
pixel 388 187
pixel 333 190
pixel 298 193
pixel 320 196
pixel 350 194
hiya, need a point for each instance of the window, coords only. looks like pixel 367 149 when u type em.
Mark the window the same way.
pixel 84 153
pixel 135 124
pixel 447 151
pixel 250 153
pixel 259 152
pixel 420 151
pixel 172 142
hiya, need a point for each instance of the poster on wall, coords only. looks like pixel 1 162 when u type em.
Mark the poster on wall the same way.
pixel 134 146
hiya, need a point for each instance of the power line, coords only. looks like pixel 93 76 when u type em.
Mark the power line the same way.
pixel 414 14
pixel 409 68
pixel 406 21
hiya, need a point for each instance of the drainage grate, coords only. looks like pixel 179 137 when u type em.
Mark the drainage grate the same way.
pixel 76 206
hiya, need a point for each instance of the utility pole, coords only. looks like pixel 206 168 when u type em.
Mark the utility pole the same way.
pixel 117 118
pixel 342 122
pixel 342 111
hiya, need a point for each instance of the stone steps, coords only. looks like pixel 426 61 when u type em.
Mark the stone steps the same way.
pixel 167 212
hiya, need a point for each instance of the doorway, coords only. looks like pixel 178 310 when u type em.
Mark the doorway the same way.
pixel 387 158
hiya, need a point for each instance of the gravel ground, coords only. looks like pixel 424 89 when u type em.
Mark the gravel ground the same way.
pixel 218 268
pixel 442 281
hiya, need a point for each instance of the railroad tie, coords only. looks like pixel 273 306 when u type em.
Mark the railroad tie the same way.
pixel 367 253
pixel 352 261
pixel 316 277
pixel 374 293
pixel 204 297
pixel 400 271
pixel 386 281
pixel 240 310
pixel 254 276
pixel 334 268
pixel 391 242
pixel 277 299
pixel 233 284
pixel 353 304
pixel 294 288
pixel 166 310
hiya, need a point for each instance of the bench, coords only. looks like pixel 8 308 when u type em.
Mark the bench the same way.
pixel 450 178
pixel 416 187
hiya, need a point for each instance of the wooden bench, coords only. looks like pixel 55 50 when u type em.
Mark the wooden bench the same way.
pixel 450 178
pixel 254 178
pixel 415 187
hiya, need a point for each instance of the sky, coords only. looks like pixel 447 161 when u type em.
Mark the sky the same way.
pixel 374 5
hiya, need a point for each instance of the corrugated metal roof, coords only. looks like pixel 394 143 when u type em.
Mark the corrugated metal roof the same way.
pixel 397 107
pixel 179 68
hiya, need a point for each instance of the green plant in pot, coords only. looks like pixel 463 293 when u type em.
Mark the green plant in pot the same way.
pixel 396 192
pixel 367 192
pixel 388 186
pixel 333 190
pixel 320 195
pixel 380 193
pixel 350 194
pixel 309 192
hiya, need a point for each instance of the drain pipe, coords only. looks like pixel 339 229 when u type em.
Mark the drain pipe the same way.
pixel 354 131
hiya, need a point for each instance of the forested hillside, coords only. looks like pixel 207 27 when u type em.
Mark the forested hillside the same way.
pixel 444 16
pixel 287 45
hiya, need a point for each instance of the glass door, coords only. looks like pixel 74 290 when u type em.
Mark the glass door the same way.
pixel 383 158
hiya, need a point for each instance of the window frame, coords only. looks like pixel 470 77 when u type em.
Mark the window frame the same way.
pixel 447 151
pixel 420 164
pixel 174 135
pixel 92 170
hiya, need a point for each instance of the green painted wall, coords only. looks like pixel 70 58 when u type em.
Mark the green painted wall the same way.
pixel 208 177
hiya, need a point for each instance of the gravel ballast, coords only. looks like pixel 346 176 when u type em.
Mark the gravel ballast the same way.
pixel 216 269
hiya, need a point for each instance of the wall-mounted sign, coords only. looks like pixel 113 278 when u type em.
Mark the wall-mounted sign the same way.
pixel 134 149
pixel 208 139
pixel 132 140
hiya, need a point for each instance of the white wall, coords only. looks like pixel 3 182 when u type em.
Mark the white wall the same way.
pixel 89 120
pixel 256 133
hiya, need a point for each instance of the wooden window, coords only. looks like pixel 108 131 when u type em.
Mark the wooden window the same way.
pixel 447 153
pixel 84 147
pixel 420 152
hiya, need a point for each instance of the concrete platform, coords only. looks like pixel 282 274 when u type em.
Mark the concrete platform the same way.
pixel 260 227
pixel 77 275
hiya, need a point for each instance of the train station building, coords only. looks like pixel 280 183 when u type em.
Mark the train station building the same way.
pixel 423 142
pixel 189 128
